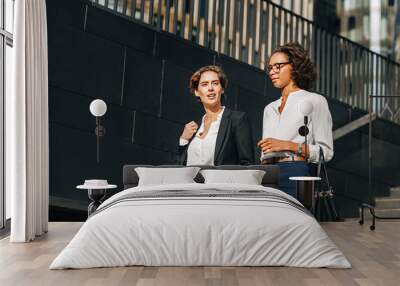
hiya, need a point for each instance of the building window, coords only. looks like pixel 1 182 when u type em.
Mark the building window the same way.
pixel 351 23
pixel 6 43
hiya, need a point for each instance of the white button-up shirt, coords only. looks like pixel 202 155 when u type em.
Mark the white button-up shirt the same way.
pixel 201 151
pixel 285 125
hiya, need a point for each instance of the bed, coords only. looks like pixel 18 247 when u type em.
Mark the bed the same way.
pixel 201 224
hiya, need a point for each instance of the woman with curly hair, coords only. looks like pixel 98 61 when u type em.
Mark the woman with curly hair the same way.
pixel 222 136
pixel 291 70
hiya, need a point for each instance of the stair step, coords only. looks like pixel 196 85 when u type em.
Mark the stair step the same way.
pixel 387 203
pixel 382 213
pixel 388 212
pixel 395 192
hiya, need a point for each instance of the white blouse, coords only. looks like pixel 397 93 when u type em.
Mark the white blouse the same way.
pixel 285 125
pixel 201 151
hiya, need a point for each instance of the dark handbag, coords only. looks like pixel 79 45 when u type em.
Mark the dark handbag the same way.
pixel 325 209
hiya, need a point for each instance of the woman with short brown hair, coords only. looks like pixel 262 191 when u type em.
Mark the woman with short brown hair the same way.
pixel 222 136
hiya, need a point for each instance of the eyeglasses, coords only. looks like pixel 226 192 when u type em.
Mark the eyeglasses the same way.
pixel 276 67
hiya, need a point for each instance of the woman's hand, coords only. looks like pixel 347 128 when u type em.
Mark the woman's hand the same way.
pixel 189 130
pixel 275 145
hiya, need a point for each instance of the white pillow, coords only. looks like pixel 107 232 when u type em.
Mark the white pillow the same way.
pixel 165 176
pixel 249 177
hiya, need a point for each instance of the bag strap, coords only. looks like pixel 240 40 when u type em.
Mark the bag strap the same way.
pixel 322 168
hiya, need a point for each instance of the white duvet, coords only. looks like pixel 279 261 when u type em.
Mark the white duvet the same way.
pixel 183 231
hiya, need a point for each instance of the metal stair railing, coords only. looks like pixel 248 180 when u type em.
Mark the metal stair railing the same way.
pixel 371 190
pixel 353 125
pixel 249 30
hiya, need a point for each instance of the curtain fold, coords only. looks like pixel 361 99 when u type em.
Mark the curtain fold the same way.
pixel 27 146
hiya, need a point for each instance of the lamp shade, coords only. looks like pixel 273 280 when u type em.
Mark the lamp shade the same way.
pixel 305 107
pixel 98 107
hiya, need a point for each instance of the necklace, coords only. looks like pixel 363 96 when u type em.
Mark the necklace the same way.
pixel 207 126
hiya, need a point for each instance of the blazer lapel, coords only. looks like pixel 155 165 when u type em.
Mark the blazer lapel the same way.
pixel 222 133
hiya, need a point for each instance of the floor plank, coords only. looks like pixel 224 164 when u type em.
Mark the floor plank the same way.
pixel 374 255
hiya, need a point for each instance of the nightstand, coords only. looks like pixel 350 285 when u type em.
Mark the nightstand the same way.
pixel 305 190
pixel 97 190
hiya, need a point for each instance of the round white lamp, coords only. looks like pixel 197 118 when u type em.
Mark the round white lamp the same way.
pixel 98 108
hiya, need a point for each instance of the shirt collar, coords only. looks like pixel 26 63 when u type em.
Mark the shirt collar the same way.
pixel 277 102
pixel 219 116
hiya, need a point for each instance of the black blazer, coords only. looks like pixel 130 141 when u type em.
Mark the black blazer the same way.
pixel 234 145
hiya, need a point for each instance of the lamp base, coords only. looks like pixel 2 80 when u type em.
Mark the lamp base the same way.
pixel 100 130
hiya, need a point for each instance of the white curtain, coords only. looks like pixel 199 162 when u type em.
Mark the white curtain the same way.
pixel 27 147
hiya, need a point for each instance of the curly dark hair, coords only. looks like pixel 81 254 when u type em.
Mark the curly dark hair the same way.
pixel 303 70
pixel 195 78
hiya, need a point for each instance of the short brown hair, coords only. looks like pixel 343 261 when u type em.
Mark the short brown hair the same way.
pixel 195 78
pixel 303 71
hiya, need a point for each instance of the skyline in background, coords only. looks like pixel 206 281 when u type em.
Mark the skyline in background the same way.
pixel 374 24
pixel 370 23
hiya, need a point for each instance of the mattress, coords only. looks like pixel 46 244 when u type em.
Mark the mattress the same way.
pixel 201 225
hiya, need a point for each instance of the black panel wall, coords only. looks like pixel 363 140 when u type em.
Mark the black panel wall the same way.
pixel 143 76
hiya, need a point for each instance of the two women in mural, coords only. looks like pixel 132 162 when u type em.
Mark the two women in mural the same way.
pixel 223 136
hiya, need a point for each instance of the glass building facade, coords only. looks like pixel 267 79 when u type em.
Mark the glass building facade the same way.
pixel 370 23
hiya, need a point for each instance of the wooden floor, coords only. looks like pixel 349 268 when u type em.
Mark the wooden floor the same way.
pixel 374 255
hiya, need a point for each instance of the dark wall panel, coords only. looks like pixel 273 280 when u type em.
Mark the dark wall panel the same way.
pixel 156 133
pixel 118 122
pixel 385 130
pixel 351 154
pixel 73 159
pixel 142 82
pixel 386 161
pixel 69 109
pixel 230 96
pixel 352 189
pixel 253 104
pixel 120 30
pixel 178 104
pixel 85 64
pixel 66 13
pixel 176 50
pixel 243 74
pixel 72 110
pixel 341 112
pixel 349 145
